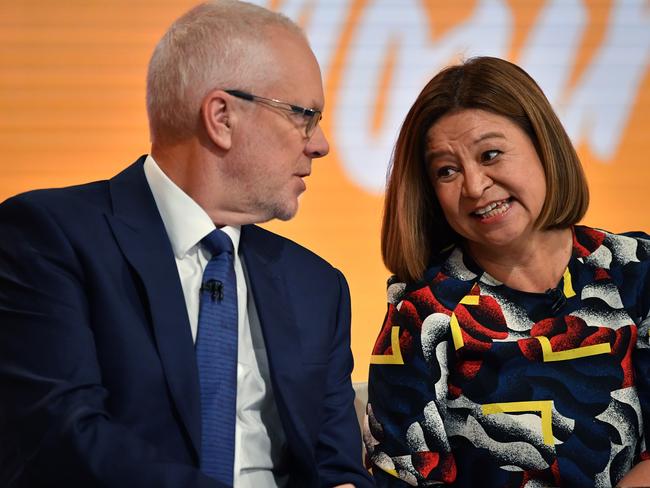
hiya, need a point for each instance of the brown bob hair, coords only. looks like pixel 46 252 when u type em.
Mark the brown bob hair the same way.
pixel 414 230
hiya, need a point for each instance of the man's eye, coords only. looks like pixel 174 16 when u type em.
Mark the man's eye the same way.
pixel 490 155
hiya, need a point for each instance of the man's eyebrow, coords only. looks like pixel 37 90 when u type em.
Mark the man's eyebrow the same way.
pixel 315 106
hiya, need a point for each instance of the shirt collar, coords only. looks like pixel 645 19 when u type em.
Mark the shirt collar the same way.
pixel 185 221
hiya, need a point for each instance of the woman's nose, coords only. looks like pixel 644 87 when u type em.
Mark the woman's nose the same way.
pixel 475 181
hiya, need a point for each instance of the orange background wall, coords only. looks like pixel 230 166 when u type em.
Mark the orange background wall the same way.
pixel 72 105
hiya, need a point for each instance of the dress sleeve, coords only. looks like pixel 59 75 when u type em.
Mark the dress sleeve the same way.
pixel 642 353
pixel 404 433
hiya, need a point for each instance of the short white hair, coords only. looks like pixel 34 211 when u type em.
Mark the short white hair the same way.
pixel 217 44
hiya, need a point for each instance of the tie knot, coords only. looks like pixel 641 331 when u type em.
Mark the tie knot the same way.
pixel 217 242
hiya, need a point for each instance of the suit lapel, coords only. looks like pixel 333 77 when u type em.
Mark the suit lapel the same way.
pixel 281 337
pixel 141 235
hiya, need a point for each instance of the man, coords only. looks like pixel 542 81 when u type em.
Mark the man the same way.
pixel 108 294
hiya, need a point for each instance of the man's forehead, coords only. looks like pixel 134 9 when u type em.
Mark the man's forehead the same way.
pixel 294 73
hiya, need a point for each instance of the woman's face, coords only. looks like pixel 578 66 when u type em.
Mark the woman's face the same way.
pixel 488 178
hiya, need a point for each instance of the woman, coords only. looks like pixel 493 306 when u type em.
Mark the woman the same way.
pixel 515 347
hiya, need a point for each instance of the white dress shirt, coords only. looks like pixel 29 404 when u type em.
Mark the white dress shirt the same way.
pixel 259 445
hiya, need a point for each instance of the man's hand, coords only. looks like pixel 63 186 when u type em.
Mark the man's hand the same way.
pixel 347 485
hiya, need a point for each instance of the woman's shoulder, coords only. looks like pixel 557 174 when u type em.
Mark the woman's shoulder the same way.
pixel 611 250
pixel 450 271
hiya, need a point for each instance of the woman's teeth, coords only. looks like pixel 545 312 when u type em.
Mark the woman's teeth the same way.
pixel 493 209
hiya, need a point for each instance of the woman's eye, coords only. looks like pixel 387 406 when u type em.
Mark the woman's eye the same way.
pixel 445 172
pixel 490 155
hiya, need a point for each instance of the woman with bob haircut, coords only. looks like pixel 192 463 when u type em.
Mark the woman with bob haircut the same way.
pixel 515 349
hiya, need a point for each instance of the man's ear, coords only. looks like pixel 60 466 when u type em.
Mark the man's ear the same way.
pixel 217 116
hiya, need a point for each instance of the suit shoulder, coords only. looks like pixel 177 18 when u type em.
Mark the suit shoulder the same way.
pixel 67 197
pixel 276 244
pixel 39 215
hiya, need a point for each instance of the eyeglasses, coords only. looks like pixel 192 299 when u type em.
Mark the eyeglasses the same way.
pixel 311 115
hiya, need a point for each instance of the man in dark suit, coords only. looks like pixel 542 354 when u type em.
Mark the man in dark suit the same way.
pixel 103 288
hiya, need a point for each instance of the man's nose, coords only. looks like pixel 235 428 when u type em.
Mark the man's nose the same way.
pixel 317 146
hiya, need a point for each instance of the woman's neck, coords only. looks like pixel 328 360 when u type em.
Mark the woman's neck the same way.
pixel 534 266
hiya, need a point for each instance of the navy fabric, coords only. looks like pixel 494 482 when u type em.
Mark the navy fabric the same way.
pixel 99 385
pixel 216 358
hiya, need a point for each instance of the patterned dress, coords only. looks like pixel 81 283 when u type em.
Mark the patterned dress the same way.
pixel 475 384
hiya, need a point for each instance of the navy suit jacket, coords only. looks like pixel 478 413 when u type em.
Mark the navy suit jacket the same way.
pixel 98 378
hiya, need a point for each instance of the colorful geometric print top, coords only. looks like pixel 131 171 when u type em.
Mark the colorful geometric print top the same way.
pixel 475 384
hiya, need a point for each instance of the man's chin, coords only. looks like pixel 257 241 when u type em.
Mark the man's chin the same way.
pixel 284 213
pixel 287 214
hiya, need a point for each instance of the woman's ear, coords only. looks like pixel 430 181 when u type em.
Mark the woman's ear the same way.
pixel 217 117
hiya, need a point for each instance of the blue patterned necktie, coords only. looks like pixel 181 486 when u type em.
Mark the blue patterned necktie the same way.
pixel 216 356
